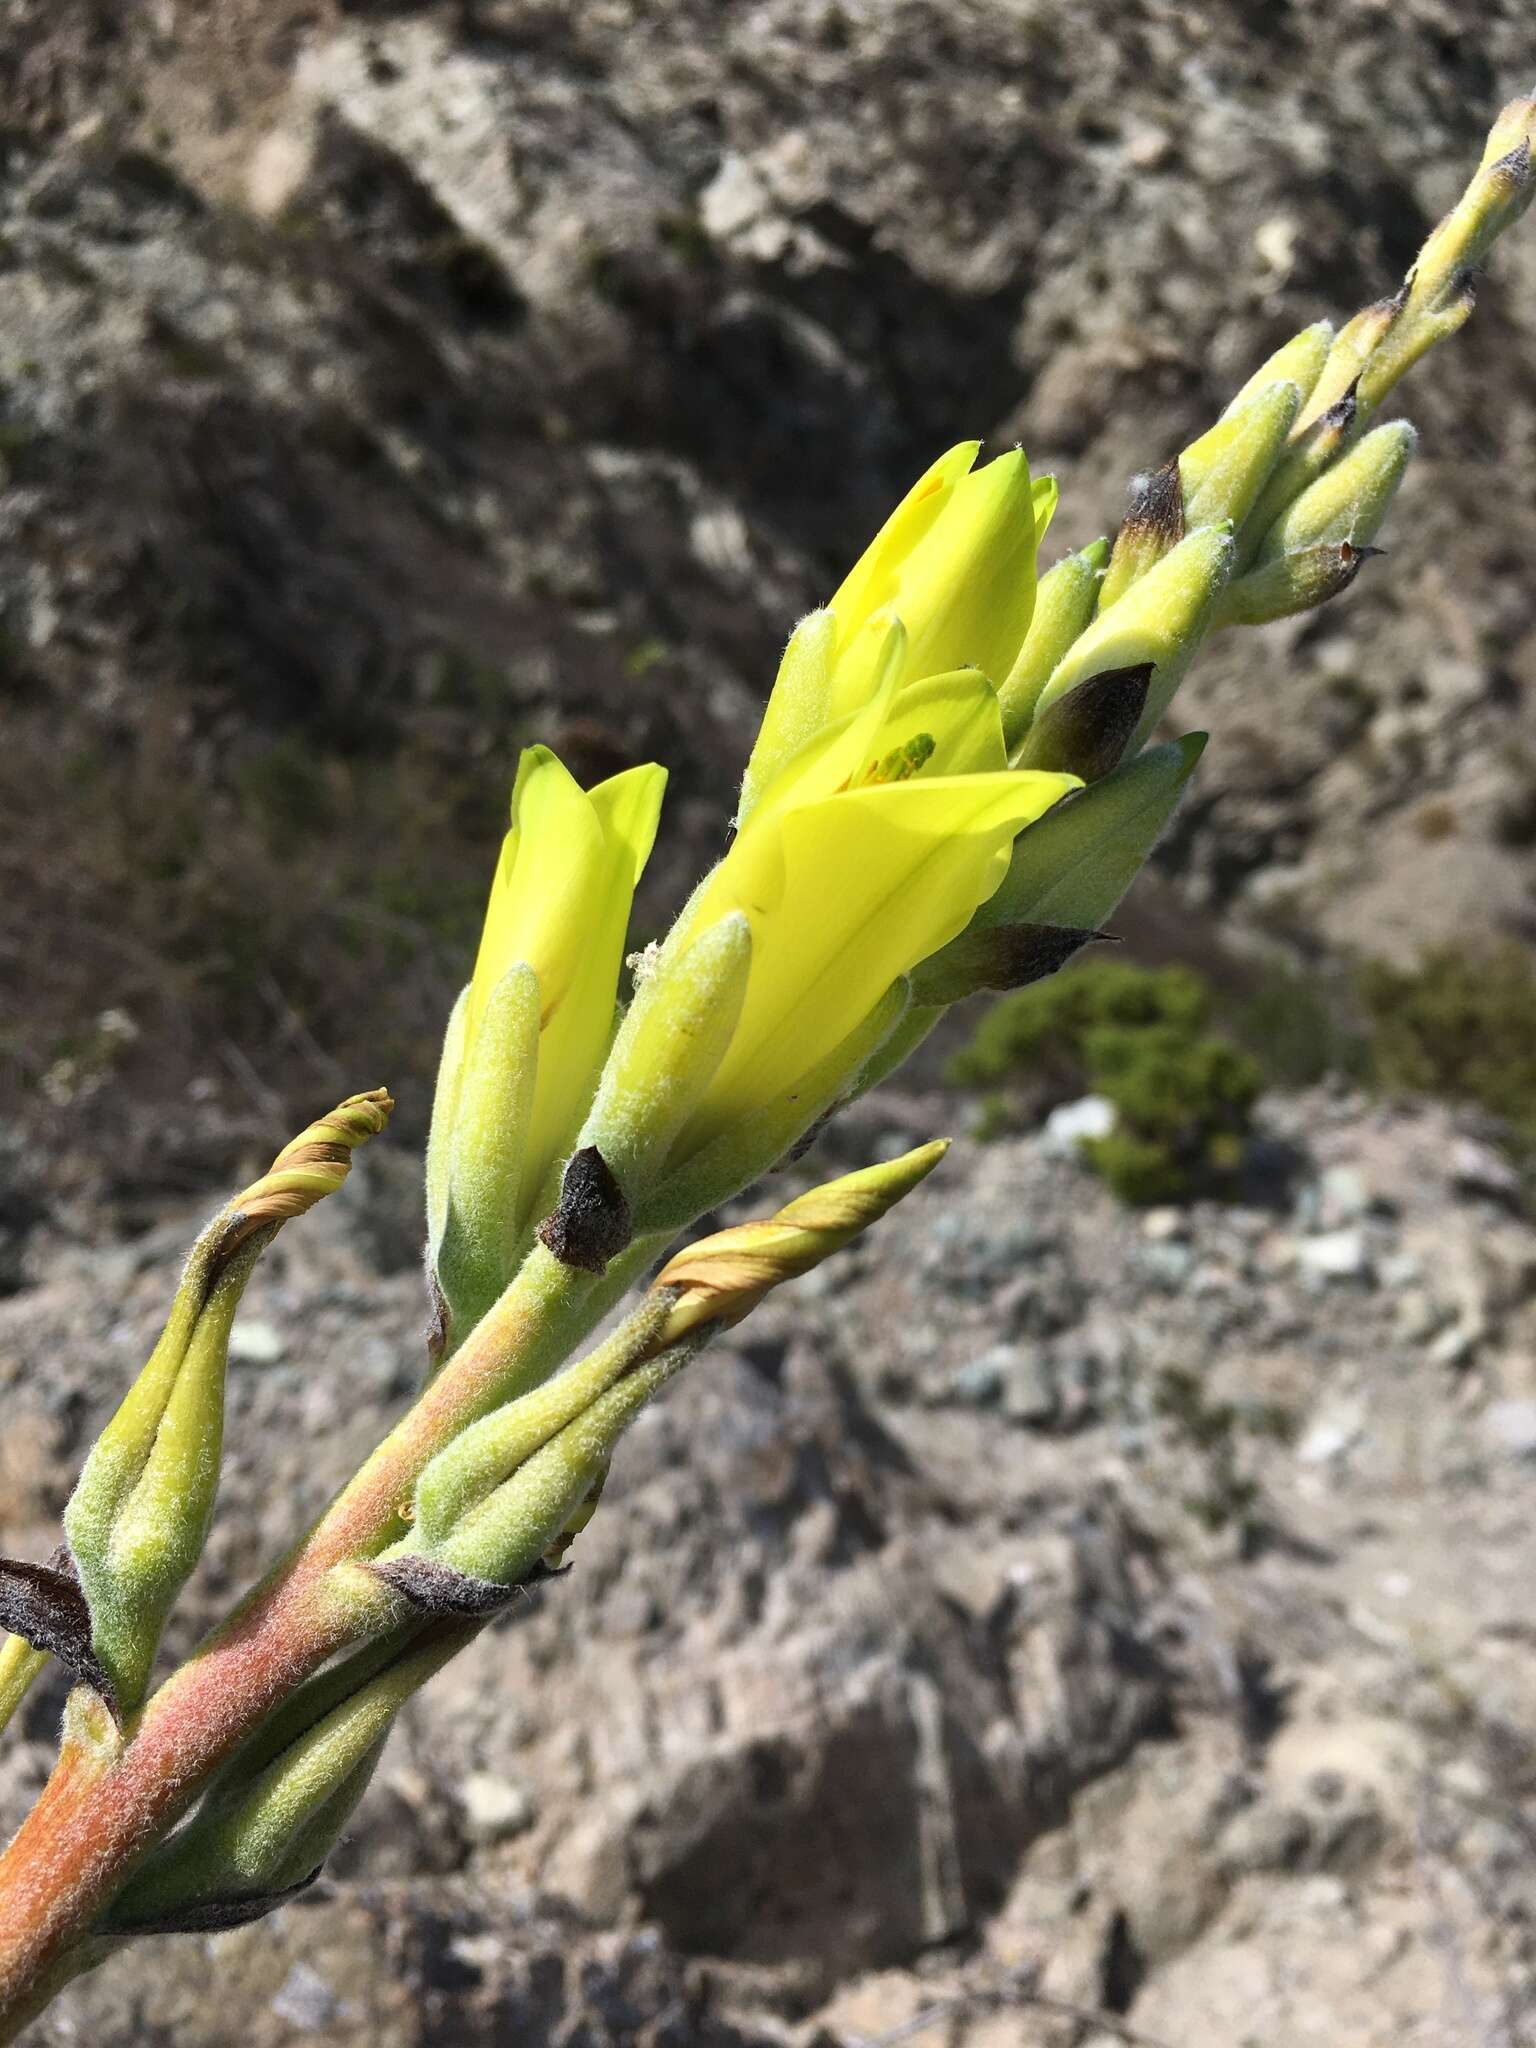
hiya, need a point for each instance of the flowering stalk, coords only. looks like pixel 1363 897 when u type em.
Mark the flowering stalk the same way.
pixel 953 786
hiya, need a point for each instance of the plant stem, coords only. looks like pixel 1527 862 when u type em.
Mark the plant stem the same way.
pixel 109 1801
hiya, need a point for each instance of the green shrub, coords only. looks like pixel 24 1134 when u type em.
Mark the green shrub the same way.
pixel 1183 1095
pixel 1460 1024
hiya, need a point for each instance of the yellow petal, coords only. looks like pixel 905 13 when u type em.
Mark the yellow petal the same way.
pixel 871 582
pixel 866 884
pixel 560 903
pixel 959 713
pixel 966 593
pixel 798 708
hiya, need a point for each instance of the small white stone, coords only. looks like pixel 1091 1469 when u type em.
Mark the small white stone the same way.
pixel 1336 1430
pixel 494 1808
pixel 1510 1427
pixel 1335 1255
pixel 256 1343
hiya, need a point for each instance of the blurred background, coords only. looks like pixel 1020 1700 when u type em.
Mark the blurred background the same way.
pixel 384 387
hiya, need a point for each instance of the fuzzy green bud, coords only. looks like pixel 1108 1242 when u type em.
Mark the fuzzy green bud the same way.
pixel 1064 604
pixel 675 1034
pixel 1225 470
pixel 478 1157
pixel 1162 619
pixel 138 1518
pixel 1067 874
pixel 1154 526
pixel 1298 361
pixel 271 1817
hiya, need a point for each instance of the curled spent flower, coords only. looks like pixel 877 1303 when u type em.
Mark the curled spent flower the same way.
pixel 309 1167
pixel 723 1278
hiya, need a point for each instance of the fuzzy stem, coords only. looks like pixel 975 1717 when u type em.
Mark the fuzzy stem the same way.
pixel 107 1804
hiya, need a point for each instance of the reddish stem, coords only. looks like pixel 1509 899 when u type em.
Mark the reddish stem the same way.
pixel 99 1813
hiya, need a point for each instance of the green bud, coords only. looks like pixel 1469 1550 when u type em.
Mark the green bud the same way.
pixel 1072 866
pixel 670 1044
pixel 1162 619
pixel 504 1538
pixel 1154 526
pixel 759 1142
pixel 1398 354
pixel 1064 604
pixel 801 704
pixel 1225 470
pixel 138 1518
pixel 271 1817
pixel 1353 346
pixel 1312 451
pixel 1500 190
pixel 1348 501
pixel 463 1476
pixel 20 1666
pixel 478 1239
pixel 1287 584
pixel 1299 361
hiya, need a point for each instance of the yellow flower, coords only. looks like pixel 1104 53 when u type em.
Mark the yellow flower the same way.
pixel 869 851
pixel 529 1036
pixel 954 564
pixel 560 904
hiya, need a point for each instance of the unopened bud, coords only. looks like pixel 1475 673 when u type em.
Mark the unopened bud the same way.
pixel 723 1278
pixel 1225 470
pixel 1354 345
pixel 1297 582
pixel 1154 526
pixel 1348 501
pixel 670 1045
pixel 137 1520
pixel 271 1818
pixel 1162 619
pixel 479 1151
pixel 1074 865
pixel 1308 456
pixel 1064 605
pixel 1298 361
pixel 1499 192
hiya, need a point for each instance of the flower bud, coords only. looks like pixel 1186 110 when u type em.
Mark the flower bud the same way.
pixel 271 1817
pixel 1297 582
pixel 1154 526
pixel 475 1181
pixel 1349 501
pixel 724 1277
pixel 673 1038
pixel 1162 619
pixel 1064 605
pixel 1067 873
pixel 521 1060
pixel 1499 192
pixel 1298 361
pixel 1225 470
pixel 138 1518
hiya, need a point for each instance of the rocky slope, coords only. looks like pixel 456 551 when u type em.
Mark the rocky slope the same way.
pixel 1047 1610
pixel 383 385
pixel 1057 1626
